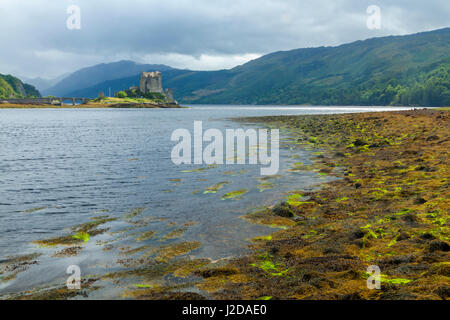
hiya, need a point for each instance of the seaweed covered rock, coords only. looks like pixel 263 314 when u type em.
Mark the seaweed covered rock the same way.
pixel 438 245
pixel 283 210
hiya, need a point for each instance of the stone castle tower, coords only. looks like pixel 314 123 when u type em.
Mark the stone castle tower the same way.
pixel 151 82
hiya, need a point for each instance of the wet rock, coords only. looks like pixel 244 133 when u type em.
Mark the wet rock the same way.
pixel 357 234
pixel 351 296
pixel 393 295
pixel 438 245
pixel 209 273
pixel 274 250
pixel 403 236
pixel 359 142
pixel 396 260
pixel 427 236
pixel 420 201
pixel 288 255
pixel 443 292
pixel 426 169
pixel 432 138
pixel 410 218
pixel 442 269
pixel 299 219
pixel 283 210
pixel 410 152
pixel 190 296
pixel 332 250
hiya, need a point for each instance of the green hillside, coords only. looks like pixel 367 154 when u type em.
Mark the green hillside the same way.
pixel 392 70
pixel 11 87
pixel 395 70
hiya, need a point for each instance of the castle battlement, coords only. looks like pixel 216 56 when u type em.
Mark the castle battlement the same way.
pixel 151 82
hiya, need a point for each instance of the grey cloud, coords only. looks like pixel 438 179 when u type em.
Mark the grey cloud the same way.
pixel 38 42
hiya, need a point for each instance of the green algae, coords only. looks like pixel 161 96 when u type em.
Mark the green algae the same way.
pixel 265 186
pixel 385 279
pixel 343 199
pixel 84 236
pixel 144 286
pixel 266 238
pixel 267 265
pixel 234 195
pixel 216 187
pixel 81 233
pixel 200 169
pixel 294 199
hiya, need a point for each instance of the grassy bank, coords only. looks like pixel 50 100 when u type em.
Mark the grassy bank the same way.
pixel 390 208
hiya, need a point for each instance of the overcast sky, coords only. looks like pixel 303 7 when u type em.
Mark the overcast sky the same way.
pixel 193 34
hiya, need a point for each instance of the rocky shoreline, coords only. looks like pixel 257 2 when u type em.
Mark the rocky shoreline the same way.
pixel 389 209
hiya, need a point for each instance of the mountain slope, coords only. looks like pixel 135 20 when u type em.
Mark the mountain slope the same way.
pixel 348 74
pixel 400 70
pixel 91 76
pixel 42 84
pixel 12 87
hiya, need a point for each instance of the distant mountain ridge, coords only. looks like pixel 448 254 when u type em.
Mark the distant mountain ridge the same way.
pixel 91 76
pixel 395 70
pixel 12 87
pixel 42 84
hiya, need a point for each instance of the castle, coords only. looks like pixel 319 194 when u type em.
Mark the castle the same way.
pixel 151 82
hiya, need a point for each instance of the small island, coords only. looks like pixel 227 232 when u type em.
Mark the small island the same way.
pixel 150 94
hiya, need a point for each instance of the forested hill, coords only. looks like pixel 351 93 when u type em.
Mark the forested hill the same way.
pixel 11 87
pixel 395 70
pixel 406 70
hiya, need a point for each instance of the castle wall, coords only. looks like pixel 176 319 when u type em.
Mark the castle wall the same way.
pixel 169 94
pixel 151 82
pixel 142 84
